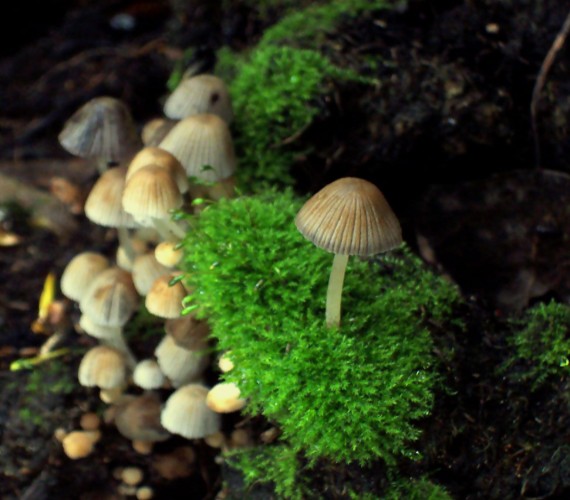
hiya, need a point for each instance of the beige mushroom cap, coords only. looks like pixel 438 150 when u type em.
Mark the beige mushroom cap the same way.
pixel 138 418
pixel 80 444
pixel 111 298
pixel 151 193
pixel 188 332
pixel 80 271
pixel 198 95
pixel 161 158
pixel 187 414
pixel 155 130
pixel 203 145
pixel 146 270
pixel 104 203
pixel 103 367
pixel 225 397
pixel 148 375
pixel 168 254
pixel 350 217
pixel 180 365
pixel 101 128
pixel 163 300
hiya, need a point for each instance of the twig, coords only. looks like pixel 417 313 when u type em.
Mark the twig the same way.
pixel 541 79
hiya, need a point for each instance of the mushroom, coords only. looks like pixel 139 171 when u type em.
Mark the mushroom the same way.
pixel 187 414
pixel 164 298
pixel 150 195
pixel 204 147
pixel 148 375
pixel 347 217
pixel 104 207
pixel 197 95
pixel 103 367
pixel 180 365
pixel 225 397
pixel 102 129
pixel 80 271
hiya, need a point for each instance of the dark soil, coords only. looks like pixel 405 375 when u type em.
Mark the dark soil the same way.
pixel 448 136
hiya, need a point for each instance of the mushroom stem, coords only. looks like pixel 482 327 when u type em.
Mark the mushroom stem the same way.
pixel 334 291
pixel 167 227
pixel 102 165
pixel 126 243
pixel 118 342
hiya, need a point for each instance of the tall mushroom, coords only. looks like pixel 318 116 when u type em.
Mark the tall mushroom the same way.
pixel 347 217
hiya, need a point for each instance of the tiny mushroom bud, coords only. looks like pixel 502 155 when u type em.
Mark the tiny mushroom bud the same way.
pixel 348 217
pixel 79 444
pixel 225 398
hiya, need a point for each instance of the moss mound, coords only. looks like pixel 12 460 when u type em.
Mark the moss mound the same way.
pixel 347 395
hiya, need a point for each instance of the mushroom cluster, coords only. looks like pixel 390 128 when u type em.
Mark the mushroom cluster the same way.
pixel 143 180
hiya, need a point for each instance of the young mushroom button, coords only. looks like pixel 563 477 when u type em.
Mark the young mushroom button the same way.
pixel 347 217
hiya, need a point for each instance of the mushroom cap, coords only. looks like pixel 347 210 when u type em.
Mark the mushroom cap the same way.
pixel 155 130
pixel 103 367
pixel 225 397
pixel 188 332
pixel 104 205
pixel 99 331
pixel 198 95
pixel 180 365
pixel 159 157
pixel 146 270
pixel 101 128
pixel 80 444
pixel 111 298
pixel 148 375
pixel 350 216
pixel 79 272
pixel 168 254
pixel 163 300
pixel 151 193
pixel 201 141
pixel 187 414
pixel 138 418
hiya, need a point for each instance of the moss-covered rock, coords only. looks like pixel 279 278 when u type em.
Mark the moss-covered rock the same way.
pixel 352 394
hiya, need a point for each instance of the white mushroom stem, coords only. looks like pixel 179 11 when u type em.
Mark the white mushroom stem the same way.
pixel 334 291
pixel 166 227
pixel 102 165
pixel 126 243
pixel 118 342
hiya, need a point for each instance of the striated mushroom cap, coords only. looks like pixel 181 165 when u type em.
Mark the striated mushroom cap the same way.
pixel 204 147
pixel 101 128
pixel 350 217
pixel 198 95
pixel 103 367
pixel 187 414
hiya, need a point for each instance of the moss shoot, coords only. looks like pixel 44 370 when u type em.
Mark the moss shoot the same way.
pixel 541 344
pixel 352 394
pixel 274 97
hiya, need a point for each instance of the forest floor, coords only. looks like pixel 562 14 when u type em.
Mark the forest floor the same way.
pixel 452 124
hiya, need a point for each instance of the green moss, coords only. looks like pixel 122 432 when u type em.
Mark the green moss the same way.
pixel 541 344
pixel 274 97
pixel 309 26
pixel 277 465
pixel 416 489
pixel 347 395
pixel 52 378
